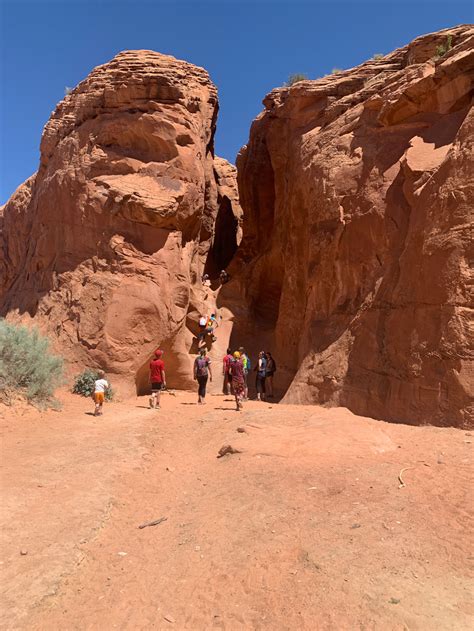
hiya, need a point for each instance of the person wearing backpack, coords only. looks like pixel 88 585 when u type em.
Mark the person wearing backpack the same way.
pixel 247 366
pixel 202 372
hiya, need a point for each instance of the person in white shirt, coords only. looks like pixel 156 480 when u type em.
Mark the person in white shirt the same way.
pixel 100 386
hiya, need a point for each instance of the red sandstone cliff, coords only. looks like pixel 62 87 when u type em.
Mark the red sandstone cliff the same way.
pixel 105 246
pixel 357 191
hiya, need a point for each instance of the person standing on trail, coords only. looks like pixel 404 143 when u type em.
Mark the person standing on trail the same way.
pixel 225 371
pixel 157 379
pixel 246 364
pixel 100 387
pixel 261 369
pixel 236 370
pixel 202 371
pixel 270 371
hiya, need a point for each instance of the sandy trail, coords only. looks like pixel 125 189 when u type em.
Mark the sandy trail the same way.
pixel 307 528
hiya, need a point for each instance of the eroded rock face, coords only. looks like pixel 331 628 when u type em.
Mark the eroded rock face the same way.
pixel 105 246
pixel 357 191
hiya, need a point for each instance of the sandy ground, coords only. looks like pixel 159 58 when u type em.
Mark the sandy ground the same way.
pixel 307 528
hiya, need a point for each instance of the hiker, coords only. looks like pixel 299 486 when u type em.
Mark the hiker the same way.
pixel 246 364
pixel 226 388
pixel 261 369
pixel 211 325
pixel 270 371
pixel 100 386
pixel 157 379
pixel 202 328
pixel 237 375
pixel 202 371
pixel 223 277
pixel 206 281
pixel 207 326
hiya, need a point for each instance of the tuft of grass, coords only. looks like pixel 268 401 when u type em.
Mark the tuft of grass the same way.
pixel 336 70
pixel 84 384
pixel 67 90
pixel 442 49
pixel 295 78
pixel 378 56
pixel 27 367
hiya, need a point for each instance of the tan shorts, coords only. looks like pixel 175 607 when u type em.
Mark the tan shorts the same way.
pixel 99 397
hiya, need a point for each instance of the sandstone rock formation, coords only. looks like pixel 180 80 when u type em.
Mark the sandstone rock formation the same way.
pixel 105 246
pixel 357 191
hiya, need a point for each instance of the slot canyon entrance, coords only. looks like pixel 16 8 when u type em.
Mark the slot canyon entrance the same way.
pixel 225 242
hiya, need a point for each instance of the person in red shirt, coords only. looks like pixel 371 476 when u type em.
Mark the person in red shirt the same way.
pixel 157 379
pixel 225 371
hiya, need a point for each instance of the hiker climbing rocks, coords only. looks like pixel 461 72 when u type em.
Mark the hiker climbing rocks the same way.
pixel 261 369
pixel 202 372
pixel 270 371
pixel 236 370
pixel 157 379
pixel 100 387
pixel 206 327
pixel 206 280
pixel 223 277
pixel 226 388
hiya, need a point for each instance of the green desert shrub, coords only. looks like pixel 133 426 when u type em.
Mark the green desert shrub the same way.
pixel 85 381
pixel 295 78
pixel 336 70
pixel 442 49
pixel 27 366
pixel 378 56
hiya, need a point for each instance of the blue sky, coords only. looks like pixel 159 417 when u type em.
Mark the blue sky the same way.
pixel 247 47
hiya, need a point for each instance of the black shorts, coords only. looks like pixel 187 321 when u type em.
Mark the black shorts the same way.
pixel 156 386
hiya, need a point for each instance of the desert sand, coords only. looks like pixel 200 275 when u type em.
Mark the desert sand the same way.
pixel 306 528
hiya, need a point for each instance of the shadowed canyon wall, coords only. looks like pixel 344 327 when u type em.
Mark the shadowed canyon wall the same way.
pixel 357 191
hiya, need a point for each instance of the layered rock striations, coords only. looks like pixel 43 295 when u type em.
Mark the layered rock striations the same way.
pixel 105 245
pixel 357 191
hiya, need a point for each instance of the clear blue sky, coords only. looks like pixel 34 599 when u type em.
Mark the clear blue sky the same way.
pixel 247 47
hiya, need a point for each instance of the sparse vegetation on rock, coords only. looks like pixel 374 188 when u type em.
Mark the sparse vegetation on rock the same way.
pixel 28 369
pixel 295 78
pixel 442 49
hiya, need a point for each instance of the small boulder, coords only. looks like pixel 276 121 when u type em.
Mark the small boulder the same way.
pixel 227 449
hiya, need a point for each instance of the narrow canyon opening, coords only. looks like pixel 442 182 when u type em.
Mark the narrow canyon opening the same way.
pixel 225 244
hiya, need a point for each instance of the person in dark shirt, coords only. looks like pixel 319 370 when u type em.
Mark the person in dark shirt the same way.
pixel 157 379
pixel 261 369
pixel 270 371
pixel 202 371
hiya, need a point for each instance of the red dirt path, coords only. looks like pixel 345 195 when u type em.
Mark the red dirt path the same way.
pixel 307 528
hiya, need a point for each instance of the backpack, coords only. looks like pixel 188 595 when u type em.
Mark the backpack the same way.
pixel 201 366
pixel 246 363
